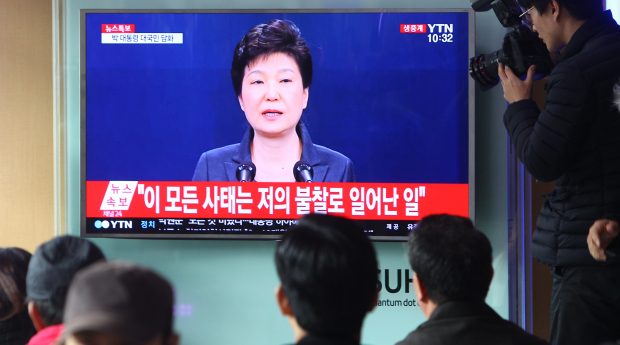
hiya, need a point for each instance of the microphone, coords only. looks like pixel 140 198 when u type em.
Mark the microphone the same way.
pixel 303 172
pixel 246 172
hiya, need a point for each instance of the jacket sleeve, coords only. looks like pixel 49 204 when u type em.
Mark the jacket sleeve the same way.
pixel 349 172
pixel 548 141
pixel 200 173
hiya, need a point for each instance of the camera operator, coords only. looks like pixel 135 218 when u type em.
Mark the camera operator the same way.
pixel 574 141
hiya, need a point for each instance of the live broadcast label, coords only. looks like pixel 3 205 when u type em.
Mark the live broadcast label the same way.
pixel 438 28
pixel 412 28
pixel 218 200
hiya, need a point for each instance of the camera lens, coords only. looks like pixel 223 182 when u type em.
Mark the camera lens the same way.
pixel 483 68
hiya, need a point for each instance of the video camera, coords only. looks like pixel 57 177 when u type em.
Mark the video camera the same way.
pixel 521 47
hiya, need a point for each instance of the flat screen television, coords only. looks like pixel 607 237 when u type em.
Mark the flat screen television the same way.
pixel 390 90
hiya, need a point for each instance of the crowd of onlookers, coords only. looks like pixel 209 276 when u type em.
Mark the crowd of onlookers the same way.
pixel 67 293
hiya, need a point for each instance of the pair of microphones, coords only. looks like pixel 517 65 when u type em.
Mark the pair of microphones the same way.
pixel 302 171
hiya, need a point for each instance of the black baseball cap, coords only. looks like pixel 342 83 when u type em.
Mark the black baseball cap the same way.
pixel 54 264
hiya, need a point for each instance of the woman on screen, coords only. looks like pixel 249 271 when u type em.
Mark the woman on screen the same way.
pixel 271 74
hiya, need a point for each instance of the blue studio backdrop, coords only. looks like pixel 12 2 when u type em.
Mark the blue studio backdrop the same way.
pixel 394 102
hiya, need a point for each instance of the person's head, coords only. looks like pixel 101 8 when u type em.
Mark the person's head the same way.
pixel 116 303
pixel 17 328
pixel 556 20
pixel 271 74
pixel 51 269
pixel 579 9
pixel 451 260
pixel 13 268
pixel 328 273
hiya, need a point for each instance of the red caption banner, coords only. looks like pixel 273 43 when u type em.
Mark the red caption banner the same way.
pixel 372 201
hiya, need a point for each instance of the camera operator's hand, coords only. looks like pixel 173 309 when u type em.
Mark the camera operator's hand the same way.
pixel 515 89
pixel 600 235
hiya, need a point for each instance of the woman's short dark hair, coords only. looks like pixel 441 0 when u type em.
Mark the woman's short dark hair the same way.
pixel 276 36
pixel 13 268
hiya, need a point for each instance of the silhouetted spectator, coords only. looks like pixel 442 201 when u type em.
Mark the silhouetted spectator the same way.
pixel 452 268
pixel 328 279
pixel 15 325
pixel 51 270
pixel 119 303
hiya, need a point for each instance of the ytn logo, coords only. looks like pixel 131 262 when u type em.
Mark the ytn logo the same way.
pixel 114 224
pixel 440 28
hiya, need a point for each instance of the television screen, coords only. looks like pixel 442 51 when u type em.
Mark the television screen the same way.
pixel 364 114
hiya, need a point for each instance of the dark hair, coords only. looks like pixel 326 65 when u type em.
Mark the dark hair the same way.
pixel 580 9
pixel 50 312
pixel 328 270
pixel 51 270
pixel 276 36
pixel 13 268
pixel 451 258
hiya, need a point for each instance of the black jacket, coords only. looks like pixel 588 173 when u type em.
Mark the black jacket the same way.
pixel 468 323
pixel 16 330
pixel 575 141
pixel 314 340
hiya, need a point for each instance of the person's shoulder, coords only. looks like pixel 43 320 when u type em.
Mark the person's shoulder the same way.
pixel 609 38
pixel 521 336
pixel 421 336
pixel 602 36
pixel 331 155
pixel 599 52
pixel 210 164
pixel 47 335
pixel 493 323
pixel 221 153
pixel 341 168
pixel 444 332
